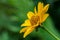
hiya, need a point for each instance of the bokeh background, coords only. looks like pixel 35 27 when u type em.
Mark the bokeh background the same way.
pixel 14 12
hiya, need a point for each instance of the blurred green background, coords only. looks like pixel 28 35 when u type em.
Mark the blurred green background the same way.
pixel 14 12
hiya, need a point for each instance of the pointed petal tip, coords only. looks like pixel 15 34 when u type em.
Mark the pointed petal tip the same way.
pixel 24 36
pixel 20 32
pixel 47 5
pixel 35 10
pixel 26 23
pixel 39 2
pixel 21 25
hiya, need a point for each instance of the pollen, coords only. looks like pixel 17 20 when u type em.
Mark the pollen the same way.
pixel 34 20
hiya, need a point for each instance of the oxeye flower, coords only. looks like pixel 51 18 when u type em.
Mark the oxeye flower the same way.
pixel 35 19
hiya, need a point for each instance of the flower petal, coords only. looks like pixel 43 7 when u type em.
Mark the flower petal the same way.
pixel 45 9
pixel 40 7
pixel 26 23
pixel 23 30
pixel 30 14
pixel 29 30
pixel 35 10
pixel 44 17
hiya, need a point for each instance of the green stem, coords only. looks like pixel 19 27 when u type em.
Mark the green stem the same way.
pixel 51 33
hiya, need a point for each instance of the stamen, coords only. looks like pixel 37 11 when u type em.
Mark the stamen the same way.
pixel 34 20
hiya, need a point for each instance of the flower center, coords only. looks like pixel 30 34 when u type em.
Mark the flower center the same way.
pixel 34 20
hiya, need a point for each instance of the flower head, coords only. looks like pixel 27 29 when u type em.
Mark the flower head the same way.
pixel 35 19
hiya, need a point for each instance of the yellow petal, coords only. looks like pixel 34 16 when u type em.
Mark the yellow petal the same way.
pixel 40 7
pixel 26 23
pixel 30 14
pixel 35 10
pixel 23 30
pixel 45 9
pixel 44 17
pixel 29 30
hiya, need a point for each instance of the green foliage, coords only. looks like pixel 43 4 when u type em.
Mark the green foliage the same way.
pixel 12 14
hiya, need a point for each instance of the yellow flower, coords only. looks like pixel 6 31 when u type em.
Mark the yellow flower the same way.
pixel 35 19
